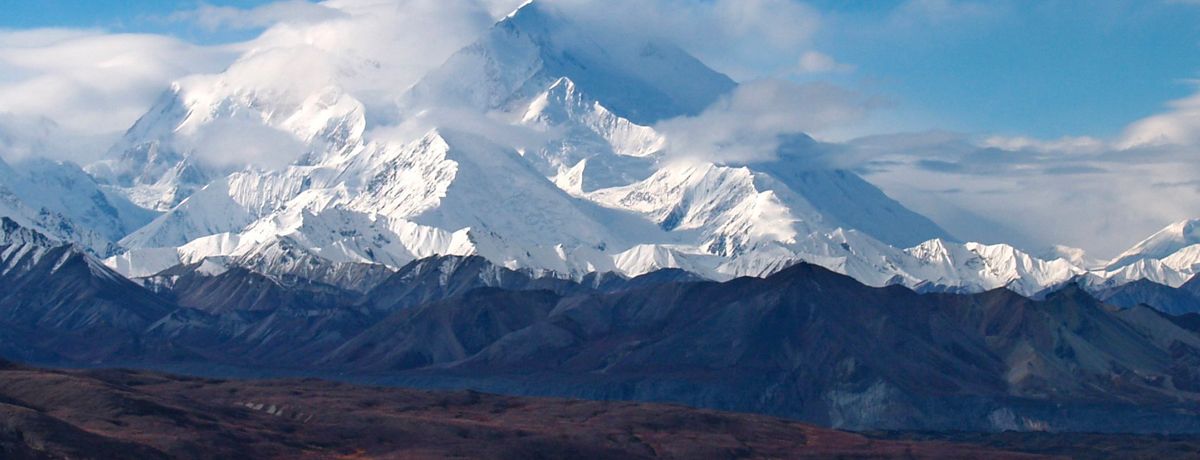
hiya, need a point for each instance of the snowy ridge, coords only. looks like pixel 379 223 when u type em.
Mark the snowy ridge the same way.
pixel 985 267
pixel 1169 257
pixel 63 202
pixel 1165 242
pixel 303 119
pixel 22 248
pixel 595 148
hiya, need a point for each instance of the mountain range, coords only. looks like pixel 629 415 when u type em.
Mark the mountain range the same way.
pixel 536 147
pixel 518 221
pixel 804 343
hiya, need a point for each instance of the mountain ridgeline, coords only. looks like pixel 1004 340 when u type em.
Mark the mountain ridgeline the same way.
pixel 804 343
pixel 586 182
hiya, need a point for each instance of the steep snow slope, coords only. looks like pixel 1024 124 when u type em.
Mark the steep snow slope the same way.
pixel 591 147
pixel 1165 242
pixel 1143 269
pixel 225 205
pixel 60 200
pixel 726 207
pixel 1169 257
pixel 184 141
pixel 446 193
pixel 844 198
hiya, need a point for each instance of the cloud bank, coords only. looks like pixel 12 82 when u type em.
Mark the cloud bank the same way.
pixel 1099 195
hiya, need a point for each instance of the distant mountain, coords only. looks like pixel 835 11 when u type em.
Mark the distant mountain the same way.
pixel 61 305
pixel 1145 292
pixel 63 202
pixel 1173 300
pixel 811 344
pixel 1162 244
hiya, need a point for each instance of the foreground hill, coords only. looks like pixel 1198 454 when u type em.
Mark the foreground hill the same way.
pixel 126 414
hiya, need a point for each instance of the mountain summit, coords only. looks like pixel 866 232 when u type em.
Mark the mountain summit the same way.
pixel 533 47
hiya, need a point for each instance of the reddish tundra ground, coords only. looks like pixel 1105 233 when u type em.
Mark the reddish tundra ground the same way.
pixel 131 414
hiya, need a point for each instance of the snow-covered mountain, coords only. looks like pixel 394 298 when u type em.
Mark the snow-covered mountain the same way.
pixel 534 147
pixel 61 201
pixel 535 46
pixel 206 126
pixel 594 191
pixel 1165 242
pixel 1169 257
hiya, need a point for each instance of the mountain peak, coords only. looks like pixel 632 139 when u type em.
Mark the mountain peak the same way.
pixel 1165 242
pixel 532 48
pixel 12 233
pixel 528 4
pixel 531 16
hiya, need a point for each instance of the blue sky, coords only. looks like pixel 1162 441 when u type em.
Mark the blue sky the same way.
pixel 1040 68
pixel 147 16
pixel 1037 68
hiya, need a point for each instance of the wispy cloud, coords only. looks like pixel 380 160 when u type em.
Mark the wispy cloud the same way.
pixel 214 17
pixel 746 39
pixel 1179 125
pixel 87 83
pixel 751 123
pixel 1083 192
pixel 818 62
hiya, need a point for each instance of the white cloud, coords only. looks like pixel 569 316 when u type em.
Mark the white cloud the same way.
pixel 227 17
pixel 224 143
pixel 749 124
pixel 90 81
pixel 94 83
pixel 24 136
pixel 1067 144
pixel 818 62
pixel 1179 125
pixel 98 82
pixel 1076 191
pixel 744 38
pixel 495 127
pixel 382 47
